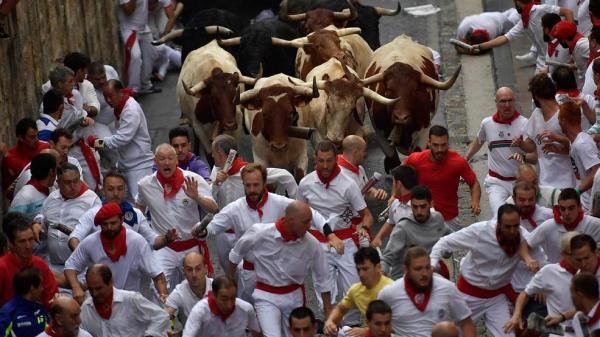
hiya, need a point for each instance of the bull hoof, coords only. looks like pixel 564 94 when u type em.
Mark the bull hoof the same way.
pixel 390 162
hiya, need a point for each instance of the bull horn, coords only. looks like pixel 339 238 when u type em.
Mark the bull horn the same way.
pixel 168 37
pixel 247 95
pixel 248 80
pixel 352 15
pixel 229 42
pixel 304 90
pixel 347 72
pixel 296 43
pixel 438 84
pixel 347 31
pixel 300 132
pixel 218 30
pixel 284 16
pixel 373 79
pixel 193 91
pixel 379 98
pixel 388 12
pixel 295 81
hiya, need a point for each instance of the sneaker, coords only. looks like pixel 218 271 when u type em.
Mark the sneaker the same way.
pixel 3 33
pixel 529 57
pixel 152 90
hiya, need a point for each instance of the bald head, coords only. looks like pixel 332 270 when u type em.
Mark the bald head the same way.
pixel 164 149
pixel 192 259
pixel 62 304
pixel 65 313
pixel 444 329
pixel 298 218
pixel 297 208
pixel 354 149
pixel 502 91
pixel 53 152
pixel 565 241
pixel 505 103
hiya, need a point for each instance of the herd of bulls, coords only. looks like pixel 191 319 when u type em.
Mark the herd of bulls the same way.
pixel 323 83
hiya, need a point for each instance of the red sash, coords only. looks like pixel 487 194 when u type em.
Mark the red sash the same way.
pixel 496 118
pixel 282 290
pixel 247 265
pixel 212 305
pixel 119 245
pixel 444 271
pixel 175 181
pixel 180 246
pixel 128 46
pixel 474 291
pixel 38 186
pixel 525 14
pixel 499 176
pixel 328 180
pixel 236 166
pixel 571 226
pixel 347 165
pixel 342 234
pixel 593 55
pixel 552 45
pixel 88 154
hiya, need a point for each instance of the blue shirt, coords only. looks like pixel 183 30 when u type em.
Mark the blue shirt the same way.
pixel 22 317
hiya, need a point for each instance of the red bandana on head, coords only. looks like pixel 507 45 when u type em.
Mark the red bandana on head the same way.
pixel 51 332
pixel 115 247
pixel 568 226
pixel 82 190
pixel 525 14
pixel 212 305
pixel 38 186
pixel 236 166
pixel 496 118
pixel 508 245
pixel 568 268
pixel 104 310
pixel 405 198
pixel 257 206
pixel 348 165
pixel 332 176
pixel 284 234
pixel 172 184
pixel 529 217
pixel 119 108
pixel 420 300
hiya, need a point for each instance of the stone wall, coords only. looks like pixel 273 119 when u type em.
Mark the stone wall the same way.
pixel 42 31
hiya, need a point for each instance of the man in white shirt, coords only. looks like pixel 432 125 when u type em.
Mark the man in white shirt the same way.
pixel 553 158
pixel 339 200
pixel 494 248
pixel 568 216
pixel 64 207
pixel 482 27
pixel 547 196
pixel 499 130
pixel 354 152
pixel 112 312
pixel 579 49
pixel 53 102
pixel 283 254
pixel 172 196
pixel 421 299
pixel 192 290
pixel 131 138
pixel 222 314
pixel 31 197
pixel 126 252
pixel 302 322
pixel 79 63
pixel 566 91
pixel 589 85
pixel 584 294
pixel 555 52
pixel 65 313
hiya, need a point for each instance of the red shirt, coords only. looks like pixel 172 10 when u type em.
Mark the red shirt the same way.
pixel 17 158
pixel 442 179
pixel 10 265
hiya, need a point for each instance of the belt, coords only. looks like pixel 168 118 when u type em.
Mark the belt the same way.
pixel 474 291
pixel 247 265
pixel 342 234
pixel 282 290
pixel 182 245
pixel 501 177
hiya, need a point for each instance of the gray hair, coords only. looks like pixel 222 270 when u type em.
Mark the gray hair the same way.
pixel 565 241
pixel 59 74
pixel 164 146
pixel 225 143
pixel 66 167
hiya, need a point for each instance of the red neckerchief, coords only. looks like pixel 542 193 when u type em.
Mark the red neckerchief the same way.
pixel 105 310
pixel 186 161
pixel 38 186
pixel 284 235
pixel 118 245
pixel 574 93
pixel 568 226
pixel 573 42
pixel 564 264
pixel 212 305
pixel 69 97
pixel 422 301
pixel 510 247
pixel 529 217
pixel 257 206
pixel 405 198
pixel 496 118
pixel 552 45
pixel 328 180
pixel 236 166
pixel 51 332
pixel 348 165
pixel 596 316
pixel 119 108
pixel 175 181
pixel 82 190
pixel 525 14
pixel 593 55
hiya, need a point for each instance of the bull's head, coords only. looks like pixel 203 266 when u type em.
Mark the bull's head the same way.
pixel 319 18
pixel 277 115
pixel 218 92
pixel 179 32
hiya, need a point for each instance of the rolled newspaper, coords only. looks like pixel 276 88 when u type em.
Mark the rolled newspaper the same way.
pixel 461 44
pixel 229 161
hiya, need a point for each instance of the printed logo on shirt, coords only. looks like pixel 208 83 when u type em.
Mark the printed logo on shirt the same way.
pixel 346 216
pixel 501 134
pixel 419 298
pixel 441 314
pixel 128 216
pixel 575 169
pixel 185 201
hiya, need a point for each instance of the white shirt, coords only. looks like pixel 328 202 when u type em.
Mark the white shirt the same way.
pixel 131 138
pixel 499 137
pixel 445 304
pixel 555 169
pixel 398 210
pixel 560 54
pixel 589 86
pixel 589 99
pixel 584 22
pixel 46 124
pixel 338 204
pixel 82 333
pixel 548 235
pixel 136 222
pixel 183 299
pixel 486 265
pixel 553 281
pixel 233 188
pixel 585 155
pixel 66 212
pixel 28 200
pixel 278 263
pixel 86 88
pixel 137 20
pixel 495 23
pixel 106 113
pixel 178 212
pixel 132 316
pixel 25 175
pixel 580 55
pixel 128 270
pixel 203 323
pixel 360 179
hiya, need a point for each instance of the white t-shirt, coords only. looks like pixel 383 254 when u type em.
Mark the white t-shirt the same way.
pixel 360 179
pixel 499 137
pixel 137 20
pixel 553 281
pixel 203 323
pixel 495 23
pixel 585 155
pixel 398 210
pixel 445 304
pixel 183 299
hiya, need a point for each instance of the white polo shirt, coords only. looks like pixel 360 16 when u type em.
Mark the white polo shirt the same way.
pixel 585 155
pixel 338 204
pixel 499 138
pixel 203 322
pixel 445 304
pixel 132 316
pixel 183 299
pixel 128 270
pixel 398 210
pixel 180 211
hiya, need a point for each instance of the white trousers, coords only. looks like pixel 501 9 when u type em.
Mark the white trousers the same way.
pixel 133 176
pixel 141 59
pixel 224 243
pixel 494 310
pixel 273 311
pixel 167 58
pixel 498 191
pixel 246 284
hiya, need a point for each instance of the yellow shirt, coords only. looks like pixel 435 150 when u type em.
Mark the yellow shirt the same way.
pixel 359 296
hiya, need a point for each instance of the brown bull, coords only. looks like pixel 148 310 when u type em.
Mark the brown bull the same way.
pixel 319 18
pixel 404 69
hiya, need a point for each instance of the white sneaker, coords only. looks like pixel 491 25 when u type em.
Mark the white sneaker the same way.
pixel 529 57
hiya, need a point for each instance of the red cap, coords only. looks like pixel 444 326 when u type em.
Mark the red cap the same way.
pixel 106 212
pixel 564 30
